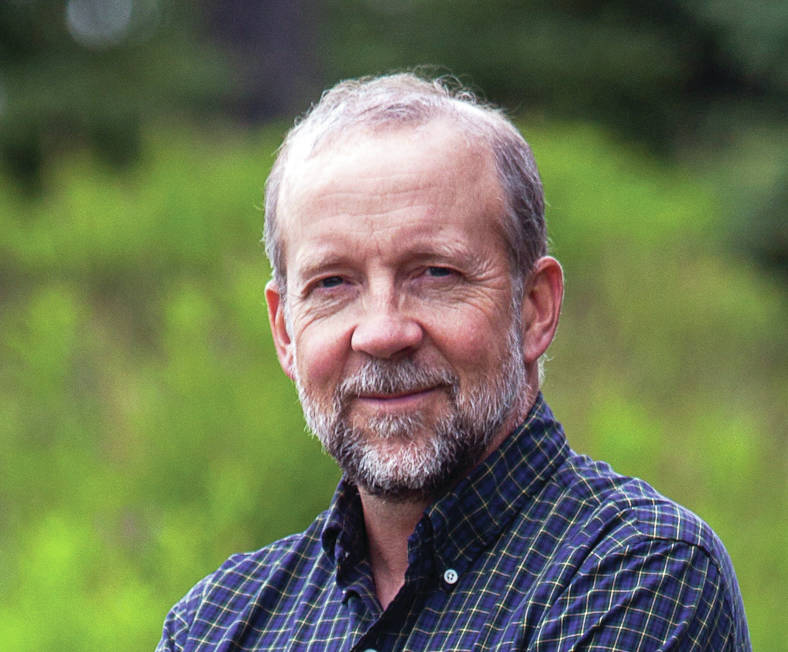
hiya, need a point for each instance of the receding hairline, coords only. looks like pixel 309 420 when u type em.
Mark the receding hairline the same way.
pixel 472 143
pixel 406 100
pixel 475 139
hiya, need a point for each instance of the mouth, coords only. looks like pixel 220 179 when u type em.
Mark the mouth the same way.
pixel 396 400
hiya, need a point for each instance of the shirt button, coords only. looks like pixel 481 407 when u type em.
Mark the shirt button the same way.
pixel 450 576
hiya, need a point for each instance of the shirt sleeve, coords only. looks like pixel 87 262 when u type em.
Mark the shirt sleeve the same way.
pixel 173 633
pixel 655 594
pixel 177 624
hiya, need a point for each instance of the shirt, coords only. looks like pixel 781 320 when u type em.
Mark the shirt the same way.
pixel 538 548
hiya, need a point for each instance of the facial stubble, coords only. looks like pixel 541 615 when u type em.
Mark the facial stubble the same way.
pixel 407 456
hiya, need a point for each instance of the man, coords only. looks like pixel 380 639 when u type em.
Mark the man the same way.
pixel 411 302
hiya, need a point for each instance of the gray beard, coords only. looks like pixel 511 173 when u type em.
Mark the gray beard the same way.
pixel 422 466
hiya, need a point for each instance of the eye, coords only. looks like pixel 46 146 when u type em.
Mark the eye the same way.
pixel 330 282
pixel 439 272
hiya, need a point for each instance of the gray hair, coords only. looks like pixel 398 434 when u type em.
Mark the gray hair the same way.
pixel 400 99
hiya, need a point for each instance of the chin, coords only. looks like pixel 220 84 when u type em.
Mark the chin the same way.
pixel 416 469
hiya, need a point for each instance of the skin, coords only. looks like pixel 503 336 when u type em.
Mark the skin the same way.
pixel 395 249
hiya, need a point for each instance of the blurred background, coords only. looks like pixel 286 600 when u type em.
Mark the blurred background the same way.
pixel 146 431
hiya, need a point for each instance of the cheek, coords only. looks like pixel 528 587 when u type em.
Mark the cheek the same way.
pixel 319 357
pixel 473 335
pixel 470 346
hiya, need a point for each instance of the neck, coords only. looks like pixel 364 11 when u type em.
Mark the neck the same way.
pixel 388 525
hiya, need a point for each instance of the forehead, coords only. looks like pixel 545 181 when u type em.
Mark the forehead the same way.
pixel 429 170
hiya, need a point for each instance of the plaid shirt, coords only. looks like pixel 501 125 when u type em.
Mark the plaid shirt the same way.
pixel 537 549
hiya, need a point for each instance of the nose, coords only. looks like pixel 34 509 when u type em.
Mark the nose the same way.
pixel 385 332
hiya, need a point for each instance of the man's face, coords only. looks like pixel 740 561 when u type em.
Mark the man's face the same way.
pixel 405 347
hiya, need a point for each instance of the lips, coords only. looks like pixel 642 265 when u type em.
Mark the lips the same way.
pixel 395 400
pixel 387 396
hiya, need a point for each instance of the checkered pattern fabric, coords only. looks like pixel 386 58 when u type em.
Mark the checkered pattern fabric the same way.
pixel 537 549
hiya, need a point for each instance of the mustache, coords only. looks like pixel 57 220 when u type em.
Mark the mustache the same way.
pixel 394 377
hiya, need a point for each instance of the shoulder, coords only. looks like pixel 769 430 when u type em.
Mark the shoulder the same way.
pixel 640 560
pixel 244 580
pixel 628 509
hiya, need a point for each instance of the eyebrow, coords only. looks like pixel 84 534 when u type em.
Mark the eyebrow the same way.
pixel 313 263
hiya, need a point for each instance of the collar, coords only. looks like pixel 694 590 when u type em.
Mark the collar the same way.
pixel 466 520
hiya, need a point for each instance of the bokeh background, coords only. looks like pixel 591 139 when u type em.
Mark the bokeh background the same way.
pixel 146 431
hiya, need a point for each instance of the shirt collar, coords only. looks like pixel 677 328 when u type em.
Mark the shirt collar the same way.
pixel 343 535
pixel 467 519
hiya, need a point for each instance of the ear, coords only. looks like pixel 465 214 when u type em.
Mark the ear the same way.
pixel 544 292
pixel 276 317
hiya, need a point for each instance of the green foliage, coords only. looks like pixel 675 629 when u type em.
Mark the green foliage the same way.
pixel 682 76
pixel 655 71
pixel 90 72
pixel 147 431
